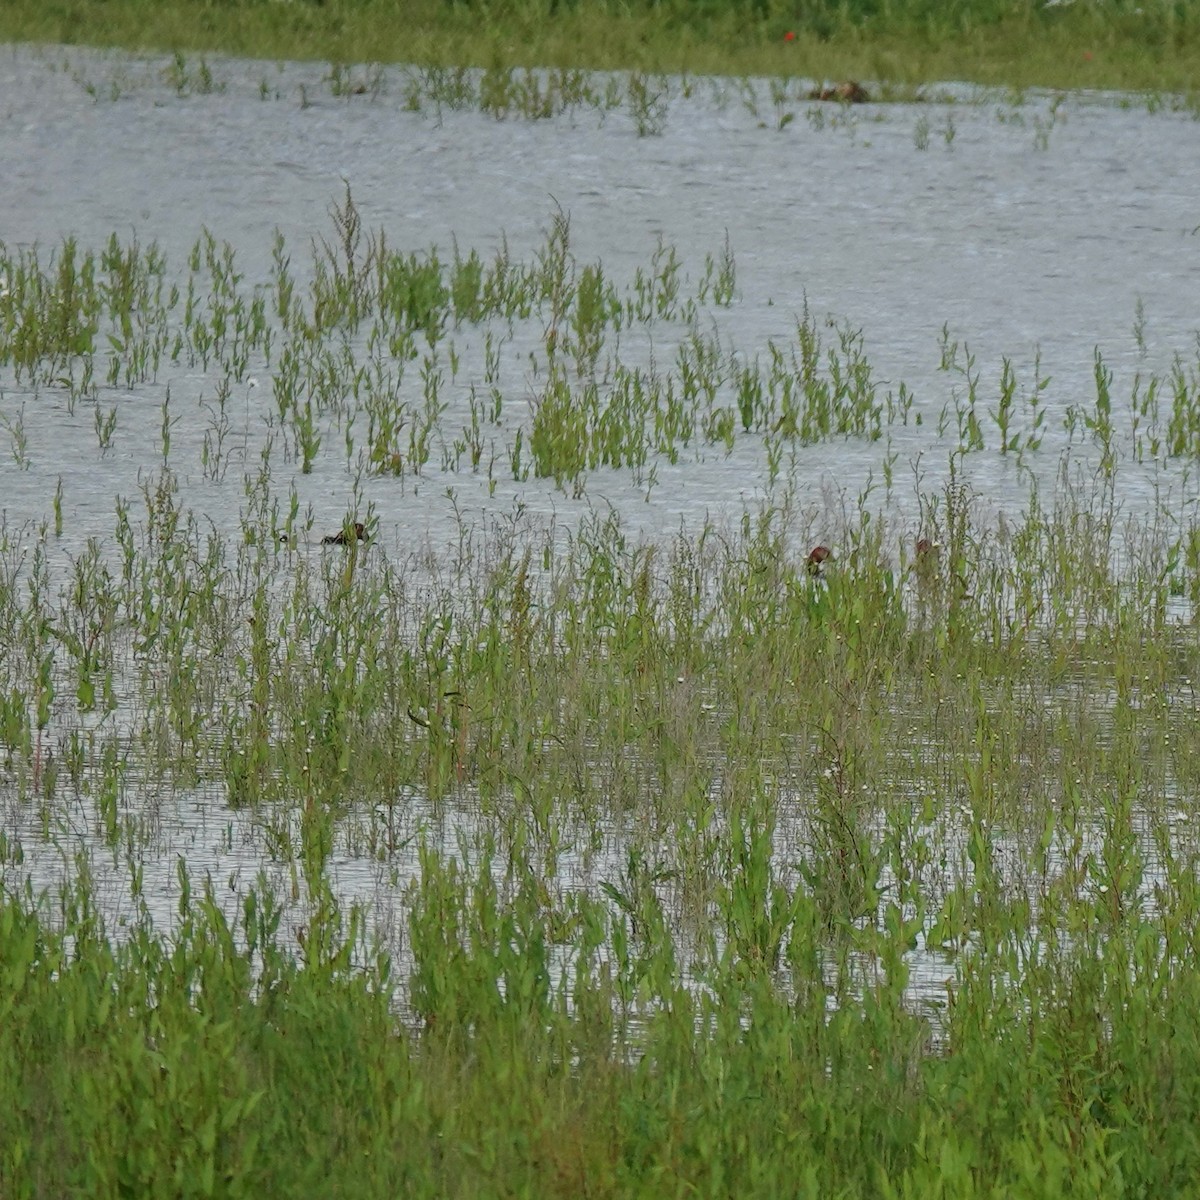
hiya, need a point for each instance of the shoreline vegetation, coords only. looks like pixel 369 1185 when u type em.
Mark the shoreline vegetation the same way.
pixel 1087 44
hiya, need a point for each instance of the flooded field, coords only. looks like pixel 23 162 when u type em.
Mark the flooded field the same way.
pixel 574 721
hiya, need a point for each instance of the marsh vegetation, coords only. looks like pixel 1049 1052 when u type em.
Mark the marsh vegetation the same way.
pixel 552 851
pixel 709 865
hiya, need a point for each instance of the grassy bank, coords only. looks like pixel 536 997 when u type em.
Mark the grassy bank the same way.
pixel 1101 44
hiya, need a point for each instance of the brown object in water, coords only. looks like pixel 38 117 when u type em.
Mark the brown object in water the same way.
pixel 340 538
pixel 818 556
pixel 847 92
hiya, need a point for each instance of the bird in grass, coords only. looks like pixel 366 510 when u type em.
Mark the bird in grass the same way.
pixel 925 560
pixel 818 556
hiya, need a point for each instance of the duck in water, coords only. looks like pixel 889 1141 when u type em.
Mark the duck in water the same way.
pixel 847 92
pixel 356 532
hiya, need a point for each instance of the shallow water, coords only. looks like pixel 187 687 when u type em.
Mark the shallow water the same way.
pixel 1017 226
pixel 1011 245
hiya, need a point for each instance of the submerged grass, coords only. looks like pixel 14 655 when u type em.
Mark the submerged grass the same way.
pixel 714 871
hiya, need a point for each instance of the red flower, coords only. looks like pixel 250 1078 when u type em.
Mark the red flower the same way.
pixel 789 36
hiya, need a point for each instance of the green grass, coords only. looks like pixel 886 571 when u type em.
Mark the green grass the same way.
pixel 1106 44
pixel 213 1063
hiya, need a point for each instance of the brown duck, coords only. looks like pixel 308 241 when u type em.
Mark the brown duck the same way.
pixel 846 92
pixel 818 556
pixel 357 532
